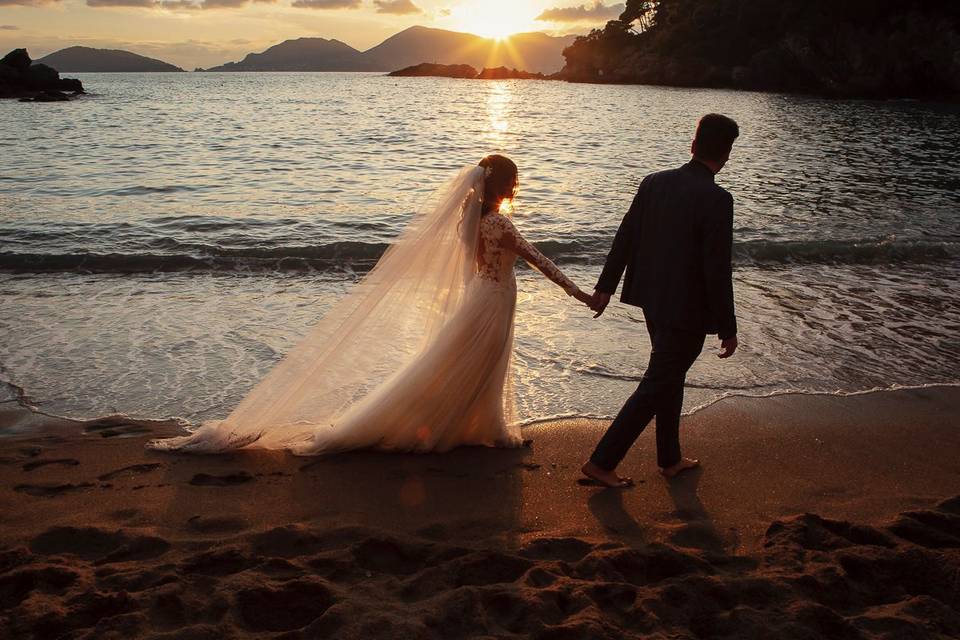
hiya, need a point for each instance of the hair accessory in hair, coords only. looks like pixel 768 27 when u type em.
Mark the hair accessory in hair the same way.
pixel 488 172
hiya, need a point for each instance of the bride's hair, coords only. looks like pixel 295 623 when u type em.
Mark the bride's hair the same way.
pixel 501 182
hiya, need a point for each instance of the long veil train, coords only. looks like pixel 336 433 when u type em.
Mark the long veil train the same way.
pixel 373 332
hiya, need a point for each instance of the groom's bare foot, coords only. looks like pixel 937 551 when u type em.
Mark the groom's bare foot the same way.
pixel 683 465
pixel 604 477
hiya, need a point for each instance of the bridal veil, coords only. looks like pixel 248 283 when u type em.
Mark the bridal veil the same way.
pixel 374 331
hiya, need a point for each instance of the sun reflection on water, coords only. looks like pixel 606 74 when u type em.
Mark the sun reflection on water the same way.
pixel 499 101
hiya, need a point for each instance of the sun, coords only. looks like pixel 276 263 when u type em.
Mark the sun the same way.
pixel 498 19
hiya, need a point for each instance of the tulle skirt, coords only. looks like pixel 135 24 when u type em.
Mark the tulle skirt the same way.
pixel 454 391
pixel 414 358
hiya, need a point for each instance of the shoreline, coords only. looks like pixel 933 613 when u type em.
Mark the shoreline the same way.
pixel 938 99
pixel 496 542
pixel 17 394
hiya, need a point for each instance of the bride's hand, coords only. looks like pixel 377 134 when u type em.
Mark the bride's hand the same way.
pixel 584 297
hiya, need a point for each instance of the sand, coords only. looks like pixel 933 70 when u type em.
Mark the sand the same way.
pixel 100 538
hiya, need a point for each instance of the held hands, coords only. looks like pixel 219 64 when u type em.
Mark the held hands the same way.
pixel 597 302
pixel 583 297
pixel 600 302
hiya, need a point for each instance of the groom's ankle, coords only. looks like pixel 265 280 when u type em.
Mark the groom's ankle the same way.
pixel 599 465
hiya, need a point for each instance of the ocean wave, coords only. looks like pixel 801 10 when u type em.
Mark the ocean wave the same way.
pixel 601 371
pixel 166 254
pixel 132 253
pixel 867 251
pixel 346 255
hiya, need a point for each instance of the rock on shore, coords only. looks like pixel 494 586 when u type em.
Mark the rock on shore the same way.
pixel 20 78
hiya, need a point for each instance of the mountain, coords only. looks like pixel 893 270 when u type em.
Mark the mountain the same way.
pixel 74 59
pixel 302 54
pixel 528 51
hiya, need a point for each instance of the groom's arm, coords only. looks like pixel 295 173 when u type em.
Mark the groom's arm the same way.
pixel 622 243
pixel 718 267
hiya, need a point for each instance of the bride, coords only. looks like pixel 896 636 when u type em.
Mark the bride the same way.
pixel 417 357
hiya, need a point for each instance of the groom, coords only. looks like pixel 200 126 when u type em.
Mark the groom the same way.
pixel 675 244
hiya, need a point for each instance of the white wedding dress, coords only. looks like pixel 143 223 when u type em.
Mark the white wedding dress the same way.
pixel 416 358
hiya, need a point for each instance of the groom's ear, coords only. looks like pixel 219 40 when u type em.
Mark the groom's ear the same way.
pixel 693 147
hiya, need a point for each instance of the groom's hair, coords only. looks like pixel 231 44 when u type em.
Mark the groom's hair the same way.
pixel 715 136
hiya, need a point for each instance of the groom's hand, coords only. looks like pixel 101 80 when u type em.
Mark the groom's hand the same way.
pixel 727 347
pixel 600 302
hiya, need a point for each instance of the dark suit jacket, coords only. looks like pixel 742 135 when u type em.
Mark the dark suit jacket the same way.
pixel 675 243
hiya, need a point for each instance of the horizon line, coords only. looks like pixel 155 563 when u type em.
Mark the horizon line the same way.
pixel 319 37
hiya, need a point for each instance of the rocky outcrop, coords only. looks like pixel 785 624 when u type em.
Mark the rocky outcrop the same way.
pixel 20 78
pixel 429 69
pixel 504 73
pixel 466 72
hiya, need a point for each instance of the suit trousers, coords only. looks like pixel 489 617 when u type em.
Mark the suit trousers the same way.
pixel 659 394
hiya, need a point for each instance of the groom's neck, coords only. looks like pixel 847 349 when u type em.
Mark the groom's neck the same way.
pixel 709 164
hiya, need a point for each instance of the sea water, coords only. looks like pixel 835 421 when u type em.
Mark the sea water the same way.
pixel 167 238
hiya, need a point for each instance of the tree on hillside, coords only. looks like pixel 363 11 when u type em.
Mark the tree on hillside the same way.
pixel 641 13
pixel 853 47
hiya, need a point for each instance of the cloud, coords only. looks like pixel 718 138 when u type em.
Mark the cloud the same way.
pixel 146 4
pixel 595 12
pixel 397 7
pixel 25 3
pixel 9 27
pixel 172 5
pixel 223 4
pixel 323 4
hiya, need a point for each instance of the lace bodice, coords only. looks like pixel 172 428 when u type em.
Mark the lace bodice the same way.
pixel 501 243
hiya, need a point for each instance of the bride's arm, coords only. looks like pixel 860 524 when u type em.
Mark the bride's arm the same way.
pixel 512 240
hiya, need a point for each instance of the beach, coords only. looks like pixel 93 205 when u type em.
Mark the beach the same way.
pixel 813 516
pixel 166 272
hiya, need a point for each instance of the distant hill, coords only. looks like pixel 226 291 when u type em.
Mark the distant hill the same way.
pixel 529 51
pixel 303 54
pixel 74 59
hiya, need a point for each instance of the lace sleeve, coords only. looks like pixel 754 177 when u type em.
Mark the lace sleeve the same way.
pixel 512 240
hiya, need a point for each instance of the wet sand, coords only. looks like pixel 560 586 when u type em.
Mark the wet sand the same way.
pixel 100 538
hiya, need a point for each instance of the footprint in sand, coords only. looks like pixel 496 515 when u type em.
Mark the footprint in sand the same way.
pixel 36 464
pixel 132 470
pixel 217 524
pixel 123 514
pixel 100 545
pixel 112 429
pixel 206 480
pixel 50 491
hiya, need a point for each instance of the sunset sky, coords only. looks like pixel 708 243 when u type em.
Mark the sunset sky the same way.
pixel 192 33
